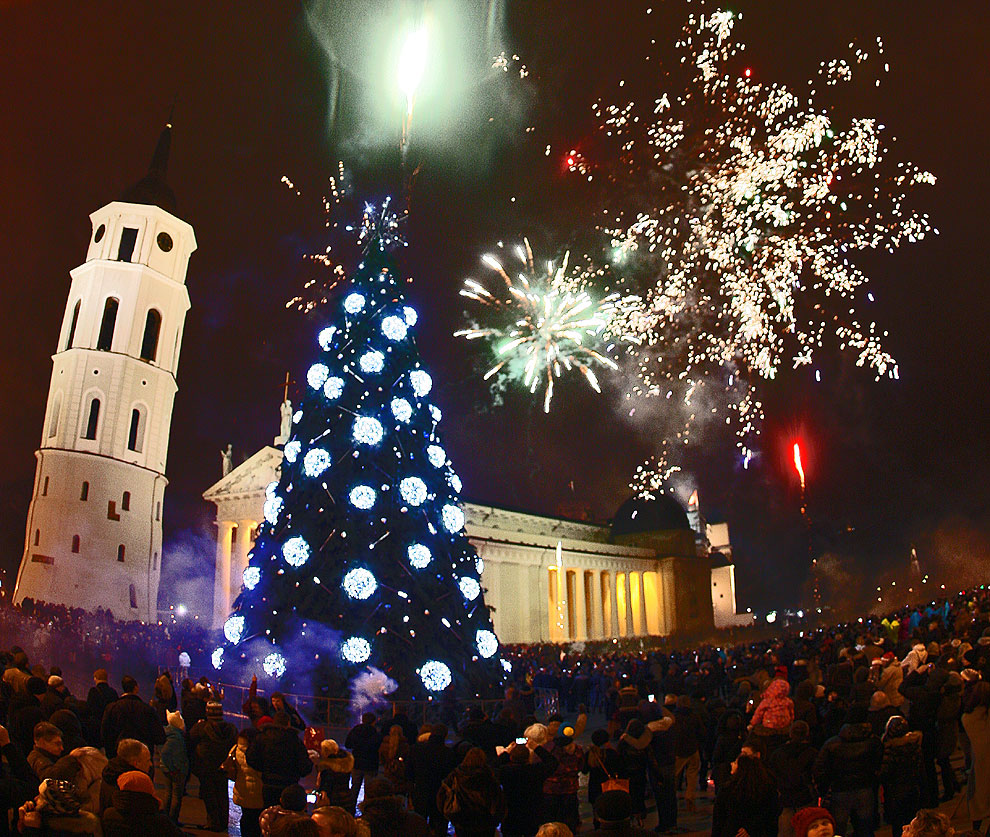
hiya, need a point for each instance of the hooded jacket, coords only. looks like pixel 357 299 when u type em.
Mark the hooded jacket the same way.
pixel 900 770
pixel 111 773
pixel 211 741
pixel 776 710
pixel 480 800
pixel 523 786
pixel 335 778
pixel 174 757
pixel 280 757
pixel 247 781
pixel 792 765
pixel 849 761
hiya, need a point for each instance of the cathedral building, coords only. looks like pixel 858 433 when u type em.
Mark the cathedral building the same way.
pixel 548 579
pixel 94 531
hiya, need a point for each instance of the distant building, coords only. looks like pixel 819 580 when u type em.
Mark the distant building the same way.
pixel 548 579
pixel 94 531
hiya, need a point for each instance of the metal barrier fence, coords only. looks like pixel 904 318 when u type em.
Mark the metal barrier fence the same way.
pixel 337 713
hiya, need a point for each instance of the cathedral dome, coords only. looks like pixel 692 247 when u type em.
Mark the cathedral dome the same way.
pixel 640 516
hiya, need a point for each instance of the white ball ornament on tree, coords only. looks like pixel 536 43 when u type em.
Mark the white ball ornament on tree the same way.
pixel 394 328
pixel 479 566
pixel 367 430
pixel 292 450
pixel 317 375
pixel 437 455
pixel 274 665
pixel 362 497
pixel 401 409
pixel 273 508
pixel 217 658
pixel 470 588
pixel 333 387
pixel 295 551
pixel 413 491
pixel 372 362
pixel 435 413
pixel 419 556
pixel 435 675
pixel 233 629
pixel 354 303
pixel 452 518
pixel 455 482
pixel 325 337
pixel 355 649
pixel 251 577
pixel 410 315
pixel 421 382
pixel 360 583
pixel 507 666
pixel 315 462
pixel 487 643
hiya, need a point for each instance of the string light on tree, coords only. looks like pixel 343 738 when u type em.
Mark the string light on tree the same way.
pixel 421 382
pixel 325 337
pixel 273 508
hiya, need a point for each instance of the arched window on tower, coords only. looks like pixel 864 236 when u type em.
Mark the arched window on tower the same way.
pixel 93 421
pixel 125 501
pixel 135 436
pixel 133 596
pixel 108 324
pixel 84 494
pixel 120 553
pixel 73 324
pixel 152 327
pixel 75 543
pixel 37 536
pixel 56 409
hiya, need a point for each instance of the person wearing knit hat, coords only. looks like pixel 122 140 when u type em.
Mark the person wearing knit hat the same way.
pixel 212 739
pixel 175 763
pixel 901 772
pixel 813 822
pixel 613 809
pixel 135 780
pixel 135 809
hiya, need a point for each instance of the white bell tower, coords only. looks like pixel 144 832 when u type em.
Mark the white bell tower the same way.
pixel 94 531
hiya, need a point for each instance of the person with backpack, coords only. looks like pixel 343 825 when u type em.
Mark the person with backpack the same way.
pixel 393 756
pixel 471 797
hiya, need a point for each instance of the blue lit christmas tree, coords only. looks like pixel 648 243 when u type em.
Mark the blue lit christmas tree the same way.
pixel 363 531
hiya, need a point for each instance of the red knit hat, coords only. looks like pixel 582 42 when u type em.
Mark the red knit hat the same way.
pixel 135 780
pixel 805 817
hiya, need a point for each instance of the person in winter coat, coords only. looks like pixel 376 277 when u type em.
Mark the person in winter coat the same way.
pixel 560 789
pixel 72 732
pixel 247 783
pixel 774 714
pixel 135 810
pixel 521 773
pixel 280 756
pixel 688 735
pixel 47 749
pixel 748 801
pixel 164 700
pixel 923 688
pixel 83 767
pixel 471 797
pixel 363 741
pixel 728 743
pixel 393 756
pixel 55 696
pixel 601 763
pixel 613 810
pixel 805 710
pixel 880 712
pixel 25 712
pixel 194 699
pixel 976 723
pixel 947 730
pixel 279 704
pixel 792 766
pixel 130 717
pixel 175 764
pixel 889 682
pixel 634 756
pixel 131 755
pixel 846 774
pixel 900 773
pixel 211 741
pixel 334 768
pixel 430 760
pixel 385 814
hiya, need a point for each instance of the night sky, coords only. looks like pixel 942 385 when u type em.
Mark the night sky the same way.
pixel 87 86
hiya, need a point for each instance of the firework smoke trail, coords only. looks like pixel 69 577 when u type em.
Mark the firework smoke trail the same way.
pixel 544 325
pixel 756 201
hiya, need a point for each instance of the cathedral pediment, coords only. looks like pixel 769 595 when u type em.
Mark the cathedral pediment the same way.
pixel 250 477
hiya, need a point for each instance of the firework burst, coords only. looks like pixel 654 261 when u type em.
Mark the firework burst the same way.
pixel 543 326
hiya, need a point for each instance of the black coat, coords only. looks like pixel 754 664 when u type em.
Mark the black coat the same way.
pixel 25 711
pixel 18 783
pixel 99 698
pixel 363 741
pixel 137 814
pixel 523 786
pixel 130 717
pixel 279 755
pixel 734 810
pixel 480 801
pixel 386 816
pixel 792 766
pixel 211 741
pixel 849 761
pixel 429 763
pixel 900 771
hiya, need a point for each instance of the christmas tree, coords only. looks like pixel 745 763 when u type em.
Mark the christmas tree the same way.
pixel 362 559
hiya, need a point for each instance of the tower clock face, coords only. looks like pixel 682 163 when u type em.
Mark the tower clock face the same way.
pixel 164 241
pixel 100 230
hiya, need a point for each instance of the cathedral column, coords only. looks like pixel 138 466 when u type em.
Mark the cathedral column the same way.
pixel 597 615
pixel 580 606
pixel 560 617
pixel 613 628
pixel 628 614
pixel 644 625
pixel 239 560
pixel 221 581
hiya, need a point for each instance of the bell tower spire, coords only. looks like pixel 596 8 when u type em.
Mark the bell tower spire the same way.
pixel 94 533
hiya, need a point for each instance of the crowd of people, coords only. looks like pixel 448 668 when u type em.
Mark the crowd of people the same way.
pixel 814 732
